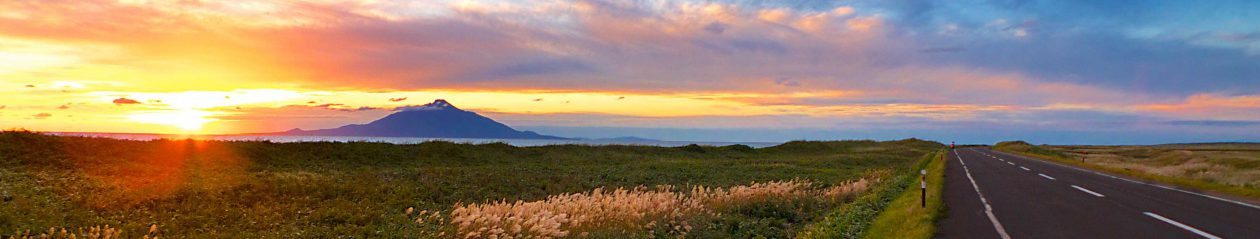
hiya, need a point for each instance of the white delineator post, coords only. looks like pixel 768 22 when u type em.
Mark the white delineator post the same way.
pixel 923 187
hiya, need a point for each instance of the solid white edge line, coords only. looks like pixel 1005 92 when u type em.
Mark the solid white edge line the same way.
pixel 1150 184
pixel 1182 226
pixel 1022 167
pixel 1087 191
pixel 1047 177
pixel 988 210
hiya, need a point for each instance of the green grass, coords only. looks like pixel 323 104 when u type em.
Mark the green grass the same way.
pixel 856 219
pixel 213 189
pixel 906 217
pixel 1142 161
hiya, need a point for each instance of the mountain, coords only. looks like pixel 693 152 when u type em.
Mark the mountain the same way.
pixel 439 119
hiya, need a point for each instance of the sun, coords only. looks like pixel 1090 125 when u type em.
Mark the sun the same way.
pixel 187 120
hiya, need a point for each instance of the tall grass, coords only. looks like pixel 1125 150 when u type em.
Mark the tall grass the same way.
pixel 94 232
pixel 854 219
pixel 906 216
pixel 659 211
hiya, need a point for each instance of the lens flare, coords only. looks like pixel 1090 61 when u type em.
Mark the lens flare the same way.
pixel 187 120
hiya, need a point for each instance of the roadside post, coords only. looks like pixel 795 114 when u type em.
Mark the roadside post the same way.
pixel 923 187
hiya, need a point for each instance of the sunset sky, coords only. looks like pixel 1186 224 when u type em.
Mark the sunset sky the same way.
pixel 1062 71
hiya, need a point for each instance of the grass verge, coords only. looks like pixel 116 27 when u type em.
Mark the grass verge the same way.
pixel 855 219
pixel 1033 151
pixel 905 217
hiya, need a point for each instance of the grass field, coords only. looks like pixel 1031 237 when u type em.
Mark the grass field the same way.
pixel 212 189
pixel 1230 168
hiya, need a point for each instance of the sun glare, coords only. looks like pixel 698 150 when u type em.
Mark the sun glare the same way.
pixel 187 120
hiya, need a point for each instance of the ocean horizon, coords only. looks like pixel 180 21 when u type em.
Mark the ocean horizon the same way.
pixel 409 140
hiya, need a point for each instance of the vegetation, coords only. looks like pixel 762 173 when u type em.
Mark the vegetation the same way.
pixel 215 189
pixel 659 212
pixel 906 217
pixel 853 220
pixel 95 232
pixel 1229 168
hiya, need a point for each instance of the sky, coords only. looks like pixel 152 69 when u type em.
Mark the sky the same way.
pixel 972 71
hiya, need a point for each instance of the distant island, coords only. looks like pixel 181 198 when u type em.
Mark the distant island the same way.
pixel 439 119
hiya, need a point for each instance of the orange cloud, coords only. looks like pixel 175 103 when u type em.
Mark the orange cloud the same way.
pixel 125 101
pixel 1211 106
pixel 864 23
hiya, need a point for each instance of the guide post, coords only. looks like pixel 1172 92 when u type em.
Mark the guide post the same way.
pixel 923 188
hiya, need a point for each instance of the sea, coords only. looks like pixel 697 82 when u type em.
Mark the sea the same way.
pixel 409 140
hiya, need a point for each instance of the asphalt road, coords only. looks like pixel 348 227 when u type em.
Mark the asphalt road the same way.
pixel 991 194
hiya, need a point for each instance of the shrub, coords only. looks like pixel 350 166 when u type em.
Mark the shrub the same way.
pixel 694 148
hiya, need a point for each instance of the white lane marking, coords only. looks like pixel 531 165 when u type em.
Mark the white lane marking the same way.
pixel 1047 177
pixel 1087 191
pixel 1022 167
pixel 1010 163
pixel 1236 202
pixel 988 210
pixel 1182 226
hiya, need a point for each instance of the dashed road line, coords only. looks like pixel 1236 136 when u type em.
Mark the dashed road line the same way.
pixel 1182 226
pixel 1047 177
pixel 1235 202
pixel 1022 167
pixel 988 210
pixel 1087 191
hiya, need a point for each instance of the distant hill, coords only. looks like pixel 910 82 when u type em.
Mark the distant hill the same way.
pixel 439 119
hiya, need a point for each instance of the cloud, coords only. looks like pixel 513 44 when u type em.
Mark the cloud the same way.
pixel 716 27
pixel 945 49
pixel 362 108
pixel 125 101
pixel 672 45
pixel 1210 106
pixel 337 107
pixel 397 99
pixel 1214 123
pixel 62 107
pixel 41 115
pixel 864 23
pixel 534 67
pixel 783 81
pixel 409 107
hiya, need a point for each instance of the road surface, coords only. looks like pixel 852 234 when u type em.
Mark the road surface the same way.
pixel 991 194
